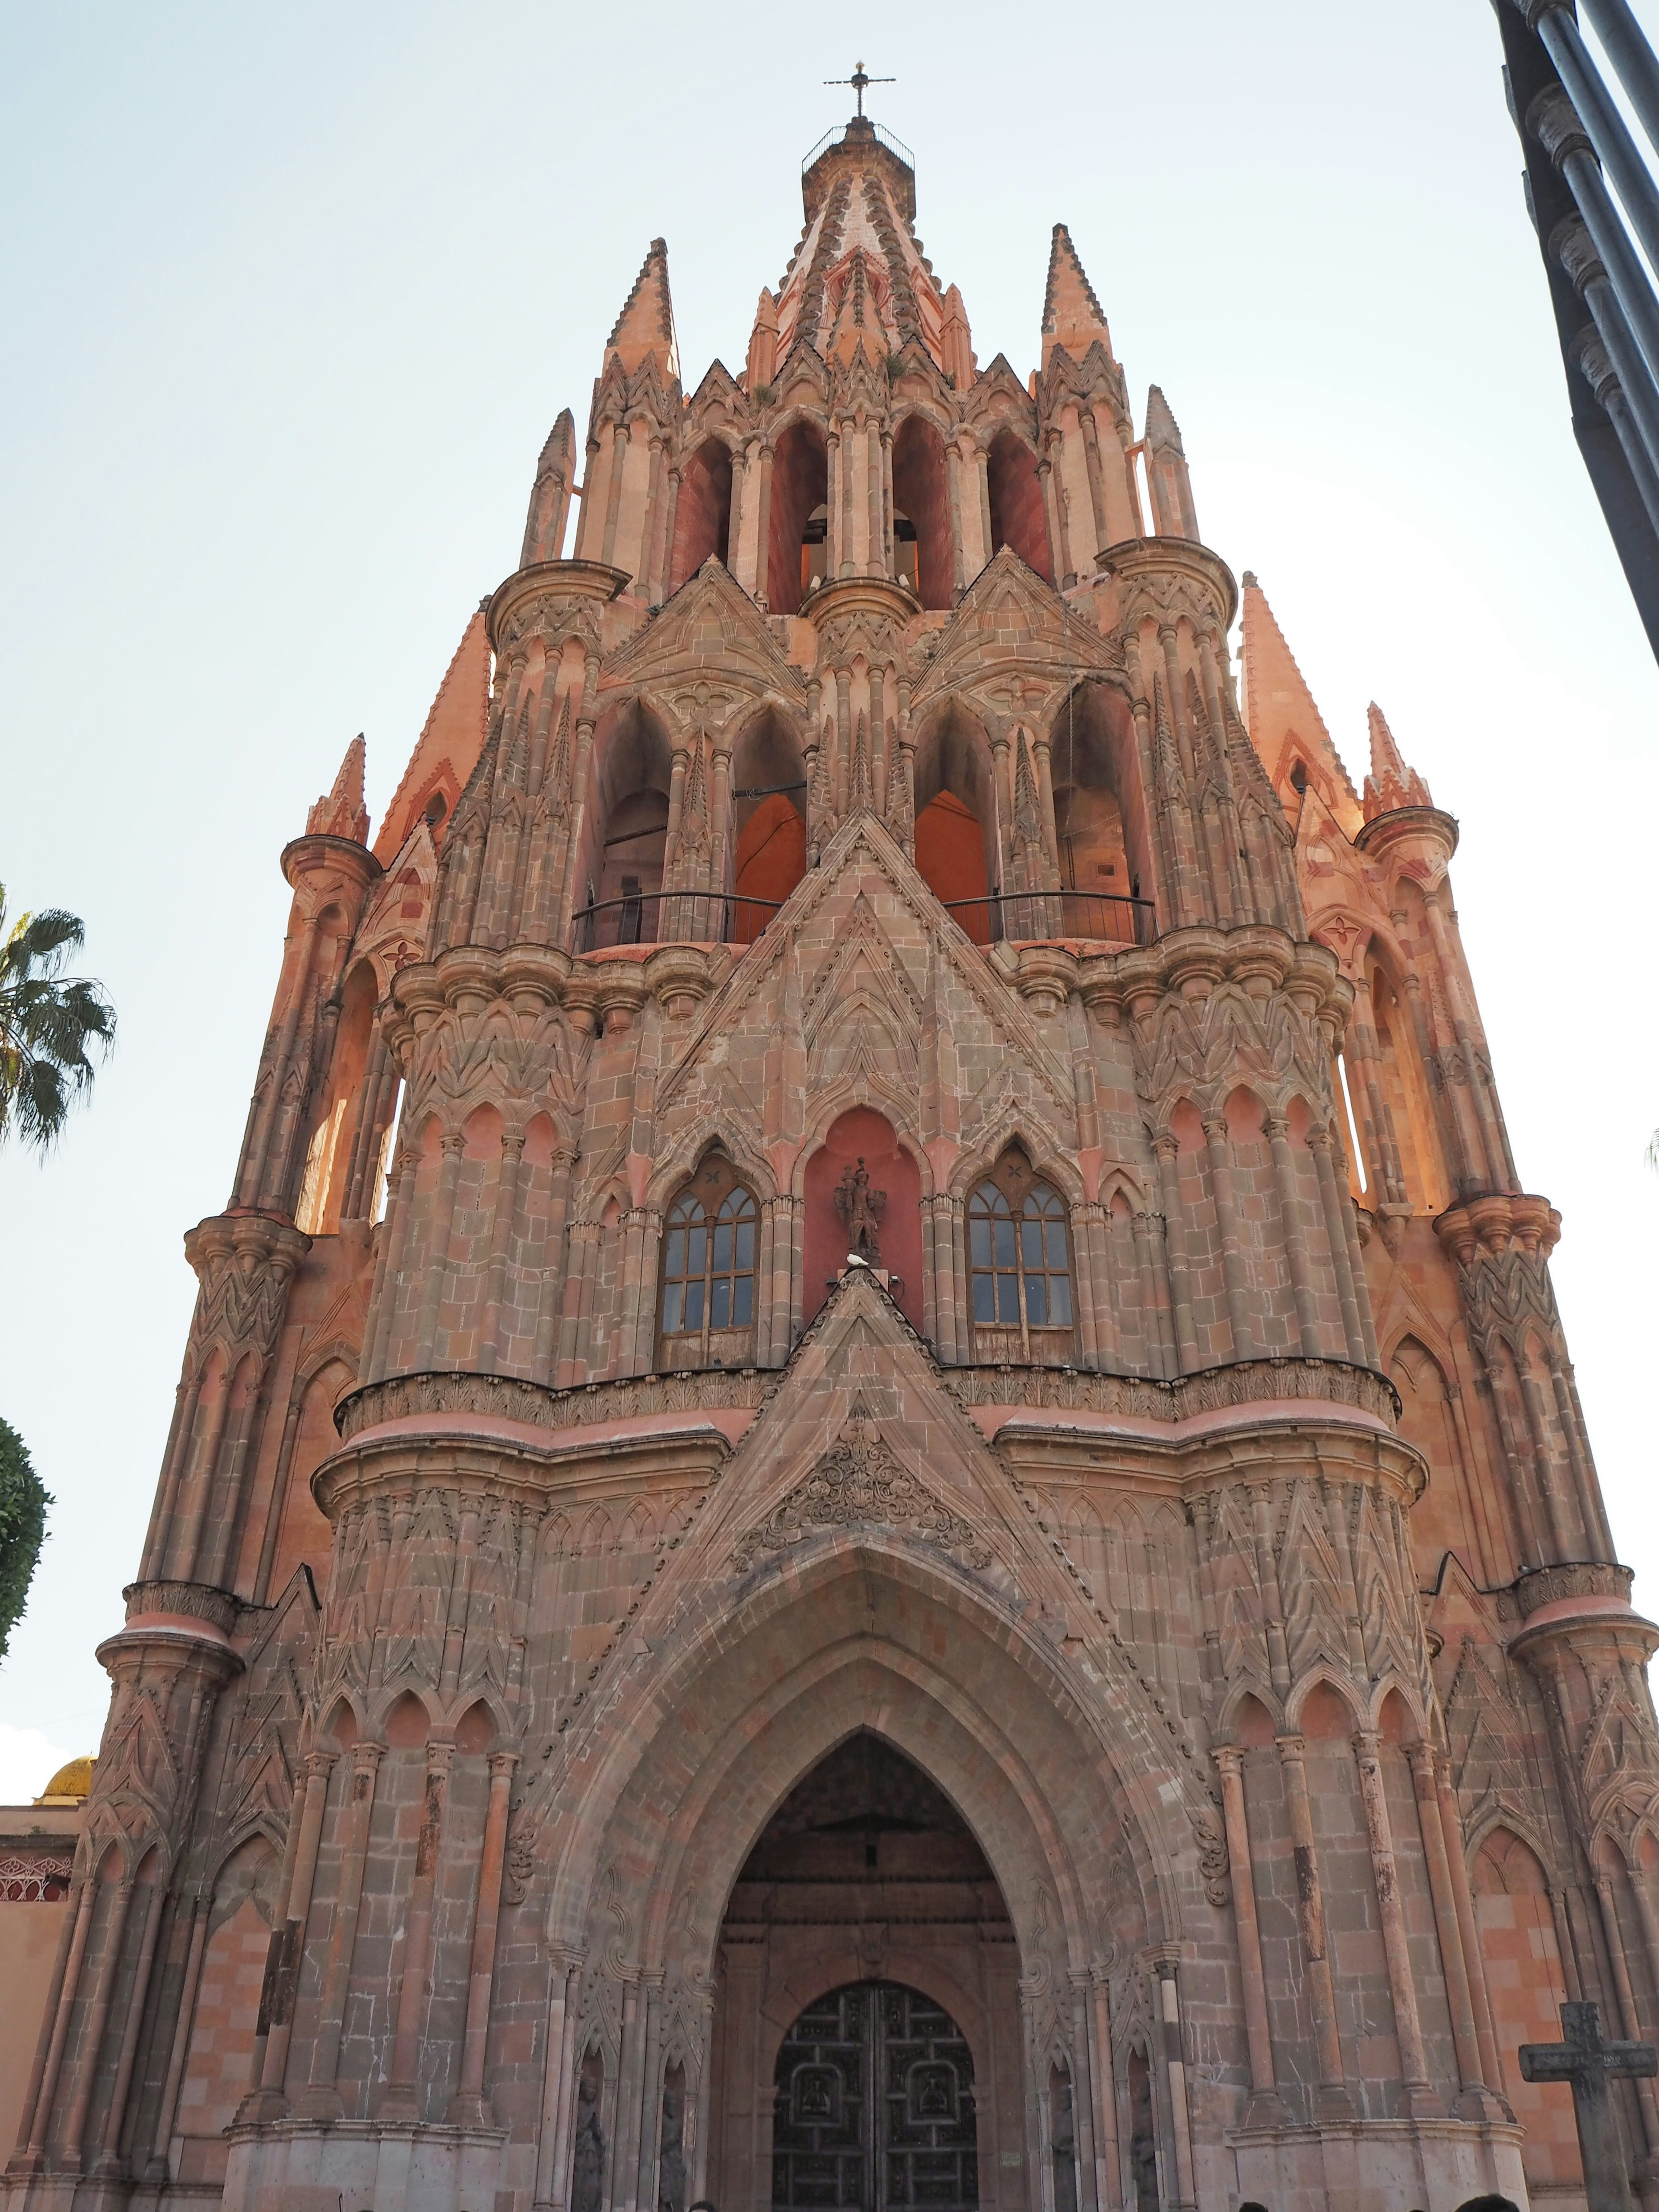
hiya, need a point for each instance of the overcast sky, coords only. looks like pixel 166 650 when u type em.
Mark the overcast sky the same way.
pixel 289 299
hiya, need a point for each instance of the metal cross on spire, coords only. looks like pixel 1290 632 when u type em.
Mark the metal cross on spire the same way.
pixel 859 80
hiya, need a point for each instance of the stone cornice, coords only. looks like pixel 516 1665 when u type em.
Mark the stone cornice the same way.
pixel 553 581
pixel 1400 823
pixel 1213 1389
pixel 1138 561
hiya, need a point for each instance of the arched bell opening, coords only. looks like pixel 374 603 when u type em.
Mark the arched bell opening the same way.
pixel 768 819
pixel 1100 818
pixel 798 514
pixel 870 1975
pixel 956 820
pixel 703 512
pixel 1017 519
pixel 619 868
pixel 921 520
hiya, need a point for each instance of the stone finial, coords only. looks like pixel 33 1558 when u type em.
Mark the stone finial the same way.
pixel 1173 511
pixel 549 497
pixel 1390 785
pixel 956 341
pixel 646 324
pixel 341 812
pixel 1073 317
pixel 762 344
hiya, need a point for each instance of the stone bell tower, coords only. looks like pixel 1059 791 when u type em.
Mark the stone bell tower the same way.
pixel 876 1498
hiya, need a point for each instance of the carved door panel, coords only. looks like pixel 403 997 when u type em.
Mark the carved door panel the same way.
pixel 875 2107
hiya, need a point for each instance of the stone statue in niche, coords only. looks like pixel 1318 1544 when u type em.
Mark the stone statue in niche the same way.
pixel 860 1209
pixel 670 2163
pixel 587 2177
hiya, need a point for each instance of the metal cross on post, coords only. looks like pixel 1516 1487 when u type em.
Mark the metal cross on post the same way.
pixel 858 81
pixel 1590 2064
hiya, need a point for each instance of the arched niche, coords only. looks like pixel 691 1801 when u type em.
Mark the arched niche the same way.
pixel 1527 1987
pixel 1017 519
pixel 1101 821
pixel 768 819
pixel 956 817
pixel 921 495
pixel 863 1141
pixel 703 512
pixel 625 832
pixel 799 493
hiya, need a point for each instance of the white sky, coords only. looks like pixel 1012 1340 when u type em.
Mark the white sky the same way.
pixel 290 299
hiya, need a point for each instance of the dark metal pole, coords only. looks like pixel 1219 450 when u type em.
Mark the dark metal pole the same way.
pixel 1555 123
pixel 1597 366
pixel 1619 153
pixel 1574 247
pixel 1631 55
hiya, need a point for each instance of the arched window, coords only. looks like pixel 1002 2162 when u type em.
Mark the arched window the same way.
pixel 1019 1265
pixel 707 1315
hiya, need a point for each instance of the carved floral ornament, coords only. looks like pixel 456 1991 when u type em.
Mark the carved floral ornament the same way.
pixel 858 1483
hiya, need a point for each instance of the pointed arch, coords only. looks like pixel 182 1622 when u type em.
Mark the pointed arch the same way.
pixel 623 850
pixel 703 512
pixel 1103 823
pixel 1017 519
pixel 956 836
pixel 922 503
pixel 800 487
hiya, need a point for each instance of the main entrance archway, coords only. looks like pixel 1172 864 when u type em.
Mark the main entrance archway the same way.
pixel 867 2041
pixel 875 2106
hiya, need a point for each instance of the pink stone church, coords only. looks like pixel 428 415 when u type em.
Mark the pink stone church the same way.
pixel 876 1502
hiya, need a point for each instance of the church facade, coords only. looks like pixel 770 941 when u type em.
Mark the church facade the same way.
pixel 876 1500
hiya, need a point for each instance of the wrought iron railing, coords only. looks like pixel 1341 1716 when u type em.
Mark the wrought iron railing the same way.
pixel 889 139
pixel 670 918
pixel 1097 916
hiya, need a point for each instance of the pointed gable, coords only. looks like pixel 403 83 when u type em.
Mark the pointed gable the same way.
pixel 709 619
pixel 1009 616
pixel 1073 317
pixel 1285 724
pixel 645 328
pixel 446 751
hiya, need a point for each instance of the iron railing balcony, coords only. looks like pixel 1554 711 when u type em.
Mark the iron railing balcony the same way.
pixel 670 918
pixel 1024 917
pixel 728 918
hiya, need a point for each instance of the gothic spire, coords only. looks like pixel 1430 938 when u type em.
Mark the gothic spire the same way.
pixel 1072 316
pixel 1391 784
pixel 1286 726
pixel 1166 470
pixel 646 324
pixel 549 499
pixel 341 812
pixel 446 751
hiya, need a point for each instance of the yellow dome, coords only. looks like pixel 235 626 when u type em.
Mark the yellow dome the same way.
pixel 70 1785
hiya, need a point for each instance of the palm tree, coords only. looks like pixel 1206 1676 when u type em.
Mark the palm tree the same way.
pixel 47 1020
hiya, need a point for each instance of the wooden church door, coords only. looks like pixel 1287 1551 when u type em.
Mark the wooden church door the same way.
pixel 875 2107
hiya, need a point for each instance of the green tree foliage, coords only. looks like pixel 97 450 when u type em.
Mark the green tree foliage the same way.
pixel 23 1503
pixel 47 1021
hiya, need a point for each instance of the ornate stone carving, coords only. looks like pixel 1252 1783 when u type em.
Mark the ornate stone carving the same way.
pixel 195 1600
pixel 860 1209
pixel 1547 1585
pixel 858 1482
